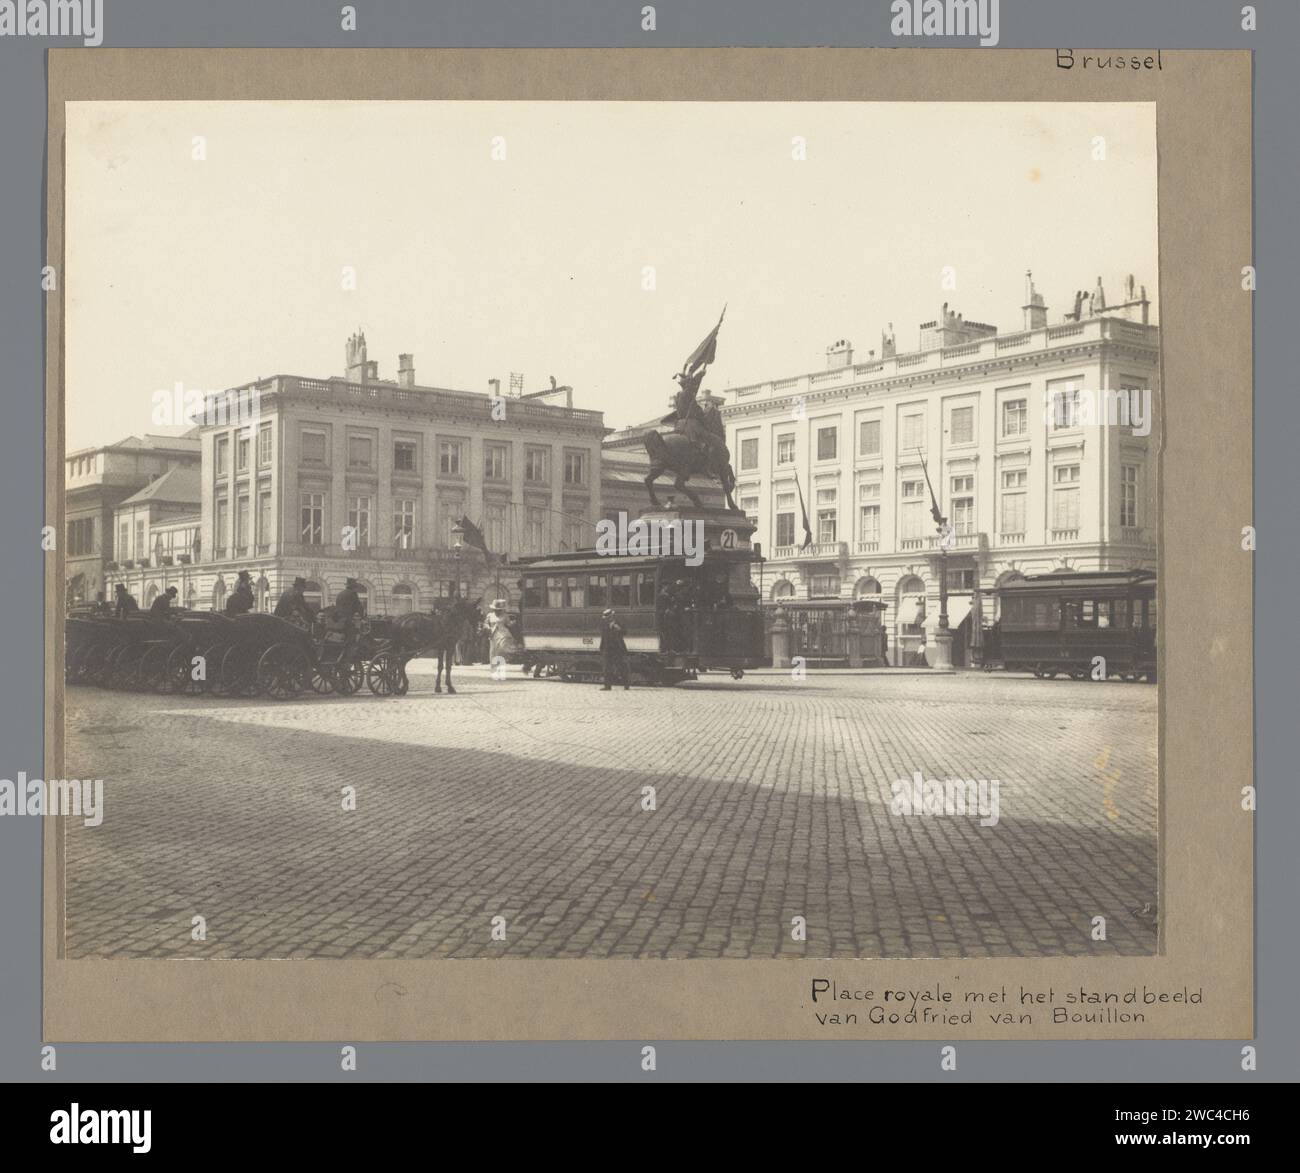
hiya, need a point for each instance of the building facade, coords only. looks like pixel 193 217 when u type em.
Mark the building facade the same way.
pixel 1040 446
pixel 97 481
pixel 356 476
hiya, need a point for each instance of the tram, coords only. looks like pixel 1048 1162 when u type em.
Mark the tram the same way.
pixel 1059 623
pixel 678 620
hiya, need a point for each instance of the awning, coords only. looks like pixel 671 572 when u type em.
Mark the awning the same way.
pixel 958 608
pixel 909 607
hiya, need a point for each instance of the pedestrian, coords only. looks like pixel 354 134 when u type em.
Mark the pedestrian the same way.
pixel 293 603
pixel 613 648
pixel 241 598
pixel 163 603
pixel 124 603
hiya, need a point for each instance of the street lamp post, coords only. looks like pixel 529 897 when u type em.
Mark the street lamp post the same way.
pixel 943 636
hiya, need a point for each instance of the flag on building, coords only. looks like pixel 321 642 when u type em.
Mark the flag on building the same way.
pixel 807 529
pixel 473 535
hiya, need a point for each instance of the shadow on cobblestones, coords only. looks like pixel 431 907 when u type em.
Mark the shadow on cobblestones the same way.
pixel 470 808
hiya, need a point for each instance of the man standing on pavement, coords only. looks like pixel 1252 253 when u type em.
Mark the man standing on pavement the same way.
pixel 613 648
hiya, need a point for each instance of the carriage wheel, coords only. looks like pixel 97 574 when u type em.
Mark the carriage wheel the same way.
pixel 179 672
pixel 239 671
pixel 349 677
pixel 381 675
pixel 122 666
pixel 322 679
pixel 152 672
pixel 283 671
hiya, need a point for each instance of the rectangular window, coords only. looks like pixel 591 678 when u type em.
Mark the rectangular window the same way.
pixel 359 520
pixel 219 524
pixel 1065 408
pixel 223 455
pixel 785 449
pixel 749 452
pixel 824 586
pixel 1128 495
pixel 1065 497
pixel 645 589
pixel 869 438
pixel 575 527
pixel 554 591
pixel 576 591
pixel 537 465
pixel 912 515
pixel 826 525
pixel 535 520
pixel 140 549
pixel 575 468
pixel 912 434
pixel 312 508
pixel 264 535
pixel 532 593
pixel 962 425
pixel 404 456
pixel 495 462
pixel 963 505
pixel 404 523
pixel 124 537
pixel 869 523
pixel 313 447
pixel 494 527
pixel 241 525
pixel 449 458
pixel 620 590
pixel 827 443
pixel 1015 417
pixel 1014 481
pixel 450 511
pixel 597 590
pixel 785 529
pixel 241 453
pixel 264 446
pixel 360 452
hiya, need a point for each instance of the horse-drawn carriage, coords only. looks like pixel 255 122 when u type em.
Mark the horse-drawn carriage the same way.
pixel 204 652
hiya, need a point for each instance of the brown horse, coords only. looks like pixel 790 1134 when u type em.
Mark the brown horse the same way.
pixel 435 633
pixel 676 454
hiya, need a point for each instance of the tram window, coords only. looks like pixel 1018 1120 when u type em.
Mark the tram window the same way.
pixel 1047 613
pixel 596 591
pixel 577 592
pixel 620 590
pixel 1151 613
pixel 532 595
pixel 1137 613
pixel 1103 612
pixel 555 592
pixel 1087 613
pixel 1121 612
pixel 645 593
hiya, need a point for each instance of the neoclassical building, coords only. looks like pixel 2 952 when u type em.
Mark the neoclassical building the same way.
pixel 1040 444
pixel 357 476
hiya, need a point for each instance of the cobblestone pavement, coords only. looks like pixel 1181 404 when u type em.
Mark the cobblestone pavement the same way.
pixel 522 799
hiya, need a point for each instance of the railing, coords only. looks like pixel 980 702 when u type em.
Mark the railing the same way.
pixel 958 541
pixel 1131 533
pixel 910 543
pixel 1012 340
pixel 1065 535
pixel 868 547
pixel 1011 539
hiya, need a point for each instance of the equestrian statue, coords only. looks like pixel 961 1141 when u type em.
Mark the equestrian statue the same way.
pixel 697 444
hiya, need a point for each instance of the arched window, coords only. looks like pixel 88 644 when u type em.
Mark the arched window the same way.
pixel 191 597
pixel 219 594
pixel 866 588
pixel 783 590
pixel 150 595
pixel 403 599
pixel 263 594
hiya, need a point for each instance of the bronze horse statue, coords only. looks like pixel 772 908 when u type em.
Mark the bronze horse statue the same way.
pixel 674 452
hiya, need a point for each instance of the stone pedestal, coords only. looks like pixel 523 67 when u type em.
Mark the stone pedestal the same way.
pixel 853 638
pixel 939 651
pixel 780 631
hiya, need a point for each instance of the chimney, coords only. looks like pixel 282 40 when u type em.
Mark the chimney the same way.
pixel 354 369
pixel 495 384
pixel 839 354
pixel 1035 309
pixel 406 370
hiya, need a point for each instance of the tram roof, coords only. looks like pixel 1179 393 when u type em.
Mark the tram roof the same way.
pixel 568 560
pixel 1075 581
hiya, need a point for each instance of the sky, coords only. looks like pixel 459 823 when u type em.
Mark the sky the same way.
pixel 216 271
